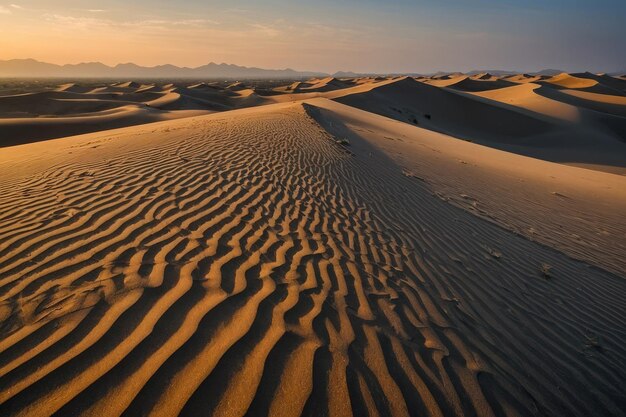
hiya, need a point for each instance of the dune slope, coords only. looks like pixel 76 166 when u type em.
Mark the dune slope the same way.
pixel 577 211
pixel 521 119
pixel 249 263
pixel 72 109
pixel 446 111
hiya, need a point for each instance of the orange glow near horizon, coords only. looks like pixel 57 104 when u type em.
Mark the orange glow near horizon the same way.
pixel 395 36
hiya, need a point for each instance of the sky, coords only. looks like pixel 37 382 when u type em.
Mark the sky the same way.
pixel 391 36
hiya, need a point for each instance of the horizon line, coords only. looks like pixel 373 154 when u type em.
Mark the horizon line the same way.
pixel 310 71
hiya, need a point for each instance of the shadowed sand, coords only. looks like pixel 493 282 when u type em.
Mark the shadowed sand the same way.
pixel 312 258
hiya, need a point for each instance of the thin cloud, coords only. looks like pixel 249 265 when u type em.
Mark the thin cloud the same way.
pixel 91 22
pixel 4 10
pixel 195 22
pixel 77 22
pixel 269 31
pixel 237 11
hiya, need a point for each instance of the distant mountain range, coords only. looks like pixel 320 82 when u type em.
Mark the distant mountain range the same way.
pixel 27 68
pixel 31 68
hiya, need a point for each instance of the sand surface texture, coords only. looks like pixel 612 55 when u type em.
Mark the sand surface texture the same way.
pixel 323 254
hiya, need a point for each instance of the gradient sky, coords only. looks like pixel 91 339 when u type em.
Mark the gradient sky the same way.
pixel 323 35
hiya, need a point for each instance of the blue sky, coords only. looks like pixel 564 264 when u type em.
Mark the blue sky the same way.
pixel 366 35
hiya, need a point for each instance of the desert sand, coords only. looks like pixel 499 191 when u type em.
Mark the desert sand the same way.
pixel 375 246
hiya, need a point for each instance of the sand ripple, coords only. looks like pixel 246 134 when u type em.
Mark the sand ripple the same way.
pixel 248 264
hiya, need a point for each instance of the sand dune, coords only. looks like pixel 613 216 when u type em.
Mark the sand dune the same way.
pixel 325 84
pixel 454 113
pixel 37 129
pixel 605 80
pixel 74 88
pixel 578 119
pixel 610 104
pixel 73 109
pixel 318 85
pixel 525 96
pixel 445 81
pixel 585 81
pixel 596 199
pixel 570 81
pixel 445 110
pixel 524 78
pixel 448 246
pixel 480 84
pixel 55 104
pixel 263 266
pixel 518 119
